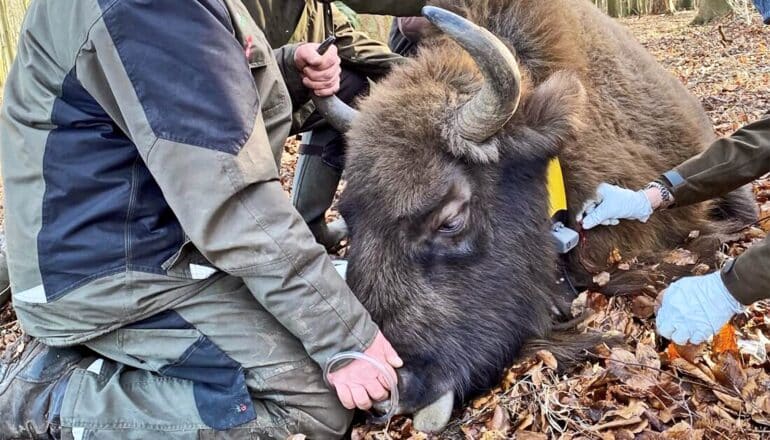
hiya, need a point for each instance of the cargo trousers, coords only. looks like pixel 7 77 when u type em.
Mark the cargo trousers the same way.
pixel 216 366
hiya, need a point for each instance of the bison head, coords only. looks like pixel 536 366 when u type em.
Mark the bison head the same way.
pixel 447 205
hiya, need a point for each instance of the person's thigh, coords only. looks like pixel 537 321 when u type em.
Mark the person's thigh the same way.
pixel 246 373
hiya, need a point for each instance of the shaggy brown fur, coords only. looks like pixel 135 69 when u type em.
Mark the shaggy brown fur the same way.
pixel 460 306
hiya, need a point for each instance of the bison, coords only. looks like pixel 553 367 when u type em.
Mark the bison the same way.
pixel 451 247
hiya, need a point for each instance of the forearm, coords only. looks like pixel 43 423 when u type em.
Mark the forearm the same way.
pixel 726 165
pixel 360 52
pixel 400 8
pixel 284 56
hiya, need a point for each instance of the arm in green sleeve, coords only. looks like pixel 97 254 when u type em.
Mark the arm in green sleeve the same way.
pixel 291 76
pixel 359 51
pixel 400 8
pixel 748 276
pixel 726 165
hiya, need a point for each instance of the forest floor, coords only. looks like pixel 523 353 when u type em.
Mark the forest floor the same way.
pixel 647 390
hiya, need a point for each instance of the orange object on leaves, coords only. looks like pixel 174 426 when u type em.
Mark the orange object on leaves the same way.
pixel 725 341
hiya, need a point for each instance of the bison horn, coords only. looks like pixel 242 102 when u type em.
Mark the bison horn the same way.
pixel 338 114
pixel 497 101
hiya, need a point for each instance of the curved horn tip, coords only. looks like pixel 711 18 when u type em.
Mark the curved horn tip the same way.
pixel 444 18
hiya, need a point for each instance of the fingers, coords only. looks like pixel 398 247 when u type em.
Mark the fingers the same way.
pixel 588 207
pixel 680 336
pixel 383 381
pixel 322 88
pixel 360 397
pixel 592 220
pixel 664 323
pixel 325 61
pixel 376 390
pixel 345 396
pixel 324 83
pixel 699 337
pixel 392 357
pixel 322 75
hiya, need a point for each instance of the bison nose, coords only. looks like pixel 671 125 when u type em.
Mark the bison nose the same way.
pixel 435 416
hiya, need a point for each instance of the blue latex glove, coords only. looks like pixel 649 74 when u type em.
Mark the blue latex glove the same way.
pixel 612 204
pixel 695 308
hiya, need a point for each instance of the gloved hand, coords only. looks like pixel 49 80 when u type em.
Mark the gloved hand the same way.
pixel 695 308
pixel 612 204
pixel 360 383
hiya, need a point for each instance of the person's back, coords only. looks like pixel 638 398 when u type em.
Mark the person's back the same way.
pixel 88 226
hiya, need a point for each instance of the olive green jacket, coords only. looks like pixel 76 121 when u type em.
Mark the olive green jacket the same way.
pixel 726 165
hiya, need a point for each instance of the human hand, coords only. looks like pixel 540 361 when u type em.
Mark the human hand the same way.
pixel 695 308
pixel 612 204
pixel 320 73
pixel 360 383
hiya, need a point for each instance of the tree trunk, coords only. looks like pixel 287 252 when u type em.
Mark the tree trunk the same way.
pixel 11 16
pixel 709 10
pixel 614 8
pixel 663 7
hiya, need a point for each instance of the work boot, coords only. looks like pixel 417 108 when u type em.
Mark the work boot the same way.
pixel 5 279
pixel 33 378
pixel 315 184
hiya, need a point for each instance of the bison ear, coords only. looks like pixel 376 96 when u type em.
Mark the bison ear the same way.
pixel 551 116
pixel 474 152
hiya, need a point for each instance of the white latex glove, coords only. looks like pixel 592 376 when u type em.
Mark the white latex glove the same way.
pixel 695 308
pixel 612 204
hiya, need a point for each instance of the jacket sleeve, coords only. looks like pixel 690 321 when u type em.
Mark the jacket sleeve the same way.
pixel 284 56
pixel 748 276
pixel 399 8
pixel 198 127
pixel 726 165
pixel 359 51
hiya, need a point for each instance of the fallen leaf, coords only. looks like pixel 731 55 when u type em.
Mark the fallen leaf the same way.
pixel 681 257
pixel 614 257
pixel 602 279
pixel 548 359
pixel 642 307
pixel 617 423
pixel 725 341
pixel 499 421
pixel 689 352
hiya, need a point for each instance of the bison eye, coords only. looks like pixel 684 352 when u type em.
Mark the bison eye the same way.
pixel 452 226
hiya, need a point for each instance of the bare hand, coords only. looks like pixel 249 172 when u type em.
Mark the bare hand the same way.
pixel 320 73
pixel 360 383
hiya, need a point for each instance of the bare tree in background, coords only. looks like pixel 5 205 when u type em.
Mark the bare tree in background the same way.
pixel 710 10
pixel 663 7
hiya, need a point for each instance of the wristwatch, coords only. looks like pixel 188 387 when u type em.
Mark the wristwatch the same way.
pixel 665 195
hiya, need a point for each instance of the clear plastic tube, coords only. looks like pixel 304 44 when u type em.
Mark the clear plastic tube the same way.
pixel 354 355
